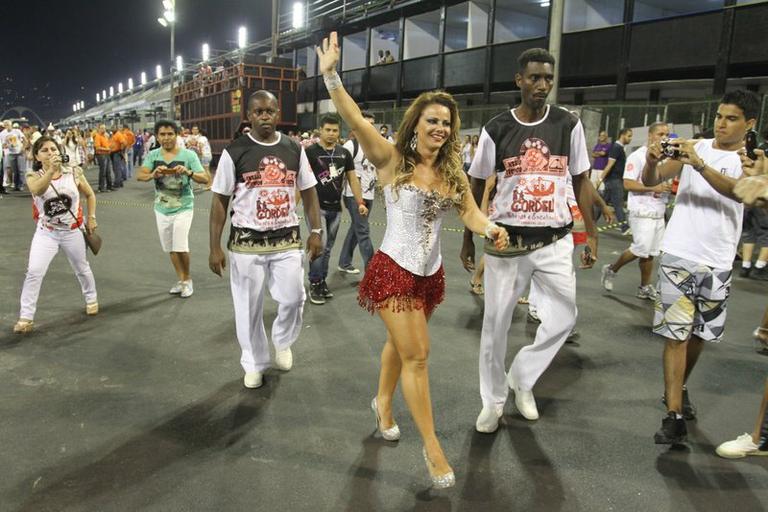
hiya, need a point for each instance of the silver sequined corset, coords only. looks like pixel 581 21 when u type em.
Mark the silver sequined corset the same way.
pixel 412 237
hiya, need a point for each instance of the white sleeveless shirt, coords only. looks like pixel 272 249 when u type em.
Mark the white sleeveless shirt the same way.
pixel 52 211
pixel 414 219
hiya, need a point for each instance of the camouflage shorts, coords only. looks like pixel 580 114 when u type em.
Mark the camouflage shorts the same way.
pixel 692 299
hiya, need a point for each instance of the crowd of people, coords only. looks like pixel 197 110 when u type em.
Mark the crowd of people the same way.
pixel 524 183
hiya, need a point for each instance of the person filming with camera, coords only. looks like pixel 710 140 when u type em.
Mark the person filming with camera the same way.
pixel 698 248
pixel 173 170
pixel 56 188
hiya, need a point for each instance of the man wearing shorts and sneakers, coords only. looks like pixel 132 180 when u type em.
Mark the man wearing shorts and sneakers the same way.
pixel 699 247
pixel 646 207
pixel 173 171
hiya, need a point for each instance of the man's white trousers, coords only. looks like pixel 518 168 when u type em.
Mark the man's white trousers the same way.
pixel 282 274
pixel 551 270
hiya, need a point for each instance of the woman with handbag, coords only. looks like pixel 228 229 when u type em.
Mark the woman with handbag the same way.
pixel 56 190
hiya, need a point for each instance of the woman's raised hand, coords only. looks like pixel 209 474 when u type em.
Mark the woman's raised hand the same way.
pixel 328 54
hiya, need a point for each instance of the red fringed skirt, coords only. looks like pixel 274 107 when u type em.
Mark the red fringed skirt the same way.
pixel 384 280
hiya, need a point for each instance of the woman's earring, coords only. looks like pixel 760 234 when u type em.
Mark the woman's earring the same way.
pixel 414 139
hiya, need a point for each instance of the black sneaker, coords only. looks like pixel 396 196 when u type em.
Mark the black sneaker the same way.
pixel 689 410
pixel 316 293
pixel 761 274
pixel 672 431
pixel 745 271
pixel 328 294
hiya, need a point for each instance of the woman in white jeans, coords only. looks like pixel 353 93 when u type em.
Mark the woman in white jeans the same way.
pixel 56 190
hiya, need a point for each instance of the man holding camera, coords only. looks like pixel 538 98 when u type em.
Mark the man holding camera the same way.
pixel 699 247
pixel 173 169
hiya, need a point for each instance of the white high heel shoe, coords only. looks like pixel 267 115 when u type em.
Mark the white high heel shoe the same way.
pixel 390 434
pixel 438 481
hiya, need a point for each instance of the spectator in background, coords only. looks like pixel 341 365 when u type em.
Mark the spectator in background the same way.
pixel 384 131
pixel 138 148
pixel 600 156
pixel 388 58
pixel 381 59
pixel 646 206
pixel 613 177
pixel 14 143
pixel 101 149
pixel 754 234
pixel 130 140
pixel 116 149
pixel 466 152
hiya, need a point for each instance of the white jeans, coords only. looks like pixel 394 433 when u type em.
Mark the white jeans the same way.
pixel 282 273
pixel 551 271
pixel 45 245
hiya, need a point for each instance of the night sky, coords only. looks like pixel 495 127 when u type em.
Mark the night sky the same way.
pixel 57 53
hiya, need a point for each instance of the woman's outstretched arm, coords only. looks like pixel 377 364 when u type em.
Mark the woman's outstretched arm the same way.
pixel 377 149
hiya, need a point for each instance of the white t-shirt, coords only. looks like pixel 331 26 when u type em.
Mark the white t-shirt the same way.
pixel 466 153
pixel 705 226
pixel 531 162
pixel 643 204
pixel 13 141
pixel 275 191
pixel 365 171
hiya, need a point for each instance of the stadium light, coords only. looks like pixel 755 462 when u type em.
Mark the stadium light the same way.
pixel 242 37
pixel 298 15
pixel 179 63
pixel 206 52
pixel 120 88
pixel 111 91
pixel 143 78
pixel 130 84
pixel 98 98
pixel 159 71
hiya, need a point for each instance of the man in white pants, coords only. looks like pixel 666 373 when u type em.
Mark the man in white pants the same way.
pixel 531 149
pixel 646 207
pixel 261 172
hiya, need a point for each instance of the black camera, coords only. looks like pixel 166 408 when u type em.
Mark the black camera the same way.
pixel 668 150
pixel 65 158
pixel 750 144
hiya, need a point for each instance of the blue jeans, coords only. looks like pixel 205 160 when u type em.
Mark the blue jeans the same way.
pixel 14 164
pixel 105 176
pixel 129 162
pixel 358 234
pixel 318 269
pixel 614 195
pixel 118 168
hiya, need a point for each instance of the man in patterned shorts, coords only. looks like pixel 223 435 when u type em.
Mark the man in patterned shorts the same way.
pixel 698 248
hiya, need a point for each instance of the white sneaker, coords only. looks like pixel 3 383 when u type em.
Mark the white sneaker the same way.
pixel 176 288
pixel 739 447
pixel 606 278
pixel 488 420
pixel 349 269
pixel 647 292
pixel 186 289
pixel 284 359
pixel 524 400
pixel 253 380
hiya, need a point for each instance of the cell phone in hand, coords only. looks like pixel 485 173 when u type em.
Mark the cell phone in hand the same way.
pixel 750 144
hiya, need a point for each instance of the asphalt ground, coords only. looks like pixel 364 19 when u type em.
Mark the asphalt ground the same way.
pixel 142 407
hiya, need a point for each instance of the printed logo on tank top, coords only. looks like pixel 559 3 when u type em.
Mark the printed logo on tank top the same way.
pixel 57 206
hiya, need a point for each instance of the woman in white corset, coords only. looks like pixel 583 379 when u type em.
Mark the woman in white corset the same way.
pixel 423 178
pixel 56 190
